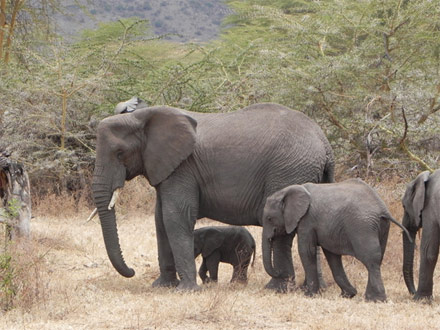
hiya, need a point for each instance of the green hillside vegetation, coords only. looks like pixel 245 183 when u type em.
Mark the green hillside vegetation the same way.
pixel 367 72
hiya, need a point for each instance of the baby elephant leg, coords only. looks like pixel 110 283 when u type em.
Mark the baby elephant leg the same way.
pixel 335 263
pixel 212 262
pixel 203 270
pixel 372 258
pixel 307 251
pixel 240 269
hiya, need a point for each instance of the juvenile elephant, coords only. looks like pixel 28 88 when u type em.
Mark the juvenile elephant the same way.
pixel 346 218
pixel 421 203
pixel 232 245
pixel 216 165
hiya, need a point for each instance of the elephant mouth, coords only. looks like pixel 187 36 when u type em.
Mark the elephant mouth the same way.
pixel 114 198
pixel 111 205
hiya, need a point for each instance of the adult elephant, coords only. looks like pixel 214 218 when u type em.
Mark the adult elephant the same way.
pixel 421 208
pixel 222 166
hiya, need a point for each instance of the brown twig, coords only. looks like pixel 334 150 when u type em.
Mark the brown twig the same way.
pixel 404 147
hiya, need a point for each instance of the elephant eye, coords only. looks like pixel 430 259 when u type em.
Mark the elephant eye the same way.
pixel 119 154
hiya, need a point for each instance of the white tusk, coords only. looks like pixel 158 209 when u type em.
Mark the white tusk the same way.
pixel 92 214
pixel 114 199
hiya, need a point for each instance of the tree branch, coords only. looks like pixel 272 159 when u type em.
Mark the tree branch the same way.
pixel 404 147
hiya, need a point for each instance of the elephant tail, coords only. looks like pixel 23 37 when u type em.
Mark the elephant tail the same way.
pixel 329 171
pixel 389 217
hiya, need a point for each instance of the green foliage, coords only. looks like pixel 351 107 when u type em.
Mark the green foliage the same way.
pixel 12 209
pixel 7 286
pixel 354 67
pixel 107 33
pixel 356 64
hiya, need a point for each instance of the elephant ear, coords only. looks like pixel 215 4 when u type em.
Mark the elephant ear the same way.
pixel 212 241
pixel 170 138
pixel 296 203
pixel 414 198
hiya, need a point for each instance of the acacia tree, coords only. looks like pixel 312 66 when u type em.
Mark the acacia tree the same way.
pixel 23 22
pixel 52 112
pixel 357 64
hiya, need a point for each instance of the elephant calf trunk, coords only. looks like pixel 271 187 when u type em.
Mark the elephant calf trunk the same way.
pixel 408 261
pixel 267 258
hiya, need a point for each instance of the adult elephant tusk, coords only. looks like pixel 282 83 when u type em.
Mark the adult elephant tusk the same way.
pixel 92 214
pixel 114 199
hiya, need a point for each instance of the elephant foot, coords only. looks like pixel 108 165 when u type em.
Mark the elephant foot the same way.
pixel 422 297
pixel 348 294
pixel 239 281
pixel 310 290
pixel 281 285
pixel 376 298
pixel 322 284
pixel 162 282
pixel 311 293
pixel 186 286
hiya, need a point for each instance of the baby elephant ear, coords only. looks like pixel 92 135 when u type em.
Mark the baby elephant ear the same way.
pixel 296 203
pixel 213 241
pixel 414 198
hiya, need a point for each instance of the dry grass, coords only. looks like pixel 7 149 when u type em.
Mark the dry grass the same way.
pixel 67 282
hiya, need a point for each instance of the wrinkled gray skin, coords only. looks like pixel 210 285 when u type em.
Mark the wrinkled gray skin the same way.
pixel 232 245
pixel 421 204
pixel 346 218
pixel 221 166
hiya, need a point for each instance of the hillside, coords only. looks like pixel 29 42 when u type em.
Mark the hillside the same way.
pixel 192 20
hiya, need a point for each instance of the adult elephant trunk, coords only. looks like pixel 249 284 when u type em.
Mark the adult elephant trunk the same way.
pixel 102 196
pixel 267 248
pixel 408 257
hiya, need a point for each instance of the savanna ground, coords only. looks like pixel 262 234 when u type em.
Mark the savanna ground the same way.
pixel 64 280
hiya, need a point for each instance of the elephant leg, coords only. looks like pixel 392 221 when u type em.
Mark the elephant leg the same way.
pixel 240 269
pixel 307 251
pixel 322 284
pixel 429 249
pixel 167 276
pixel 370 254
pixel 203 270
pixel 212 262
pixel 179 224
pixel 283 263
pixel 335 263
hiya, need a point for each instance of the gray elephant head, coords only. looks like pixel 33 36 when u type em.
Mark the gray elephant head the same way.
pixel 413 203
pixel 282 212
pixel 150 142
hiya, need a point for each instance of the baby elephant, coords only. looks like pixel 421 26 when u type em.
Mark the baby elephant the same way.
pixel 346 218
pixel 232 245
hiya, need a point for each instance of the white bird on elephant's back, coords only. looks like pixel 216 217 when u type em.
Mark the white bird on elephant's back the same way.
pixel 130 105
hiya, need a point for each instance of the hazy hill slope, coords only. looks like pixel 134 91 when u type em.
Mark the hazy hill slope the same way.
pixel 197 20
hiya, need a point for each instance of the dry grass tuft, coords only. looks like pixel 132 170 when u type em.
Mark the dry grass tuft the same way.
pixel 23 275
pixel 67 282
